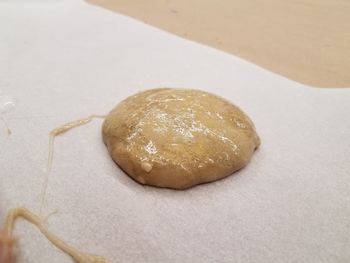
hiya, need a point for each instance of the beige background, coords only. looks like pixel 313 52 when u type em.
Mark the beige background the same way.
pixel 304 40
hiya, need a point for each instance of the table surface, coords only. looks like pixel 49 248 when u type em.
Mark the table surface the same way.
pixel 304 40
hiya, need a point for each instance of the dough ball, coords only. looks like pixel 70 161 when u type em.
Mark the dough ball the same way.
pixel 178 138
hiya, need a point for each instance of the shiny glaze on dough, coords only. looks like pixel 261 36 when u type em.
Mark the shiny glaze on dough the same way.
pixel 178 138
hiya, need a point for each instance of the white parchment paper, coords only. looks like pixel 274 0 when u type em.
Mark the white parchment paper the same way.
pixel 63 60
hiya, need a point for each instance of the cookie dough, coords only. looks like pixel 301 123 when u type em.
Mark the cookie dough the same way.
pixel 178 138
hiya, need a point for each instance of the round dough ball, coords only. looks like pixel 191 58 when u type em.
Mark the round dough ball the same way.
pixel 178 138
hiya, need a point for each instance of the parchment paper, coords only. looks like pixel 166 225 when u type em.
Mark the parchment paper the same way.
pixel 63 60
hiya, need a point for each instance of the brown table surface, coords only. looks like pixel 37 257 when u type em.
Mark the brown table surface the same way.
pixel 304 40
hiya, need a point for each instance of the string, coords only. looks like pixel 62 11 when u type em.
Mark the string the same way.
pixel 8 240
pixel 6 237
pixel 9 132
pixel 57 131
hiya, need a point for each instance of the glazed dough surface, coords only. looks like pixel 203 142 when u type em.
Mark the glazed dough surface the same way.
pixel 178 138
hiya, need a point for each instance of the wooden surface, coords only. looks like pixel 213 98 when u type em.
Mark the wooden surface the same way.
pixel 305 40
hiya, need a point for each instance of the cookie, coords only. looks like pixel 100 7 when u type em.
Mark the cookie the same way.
pixel 178 138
